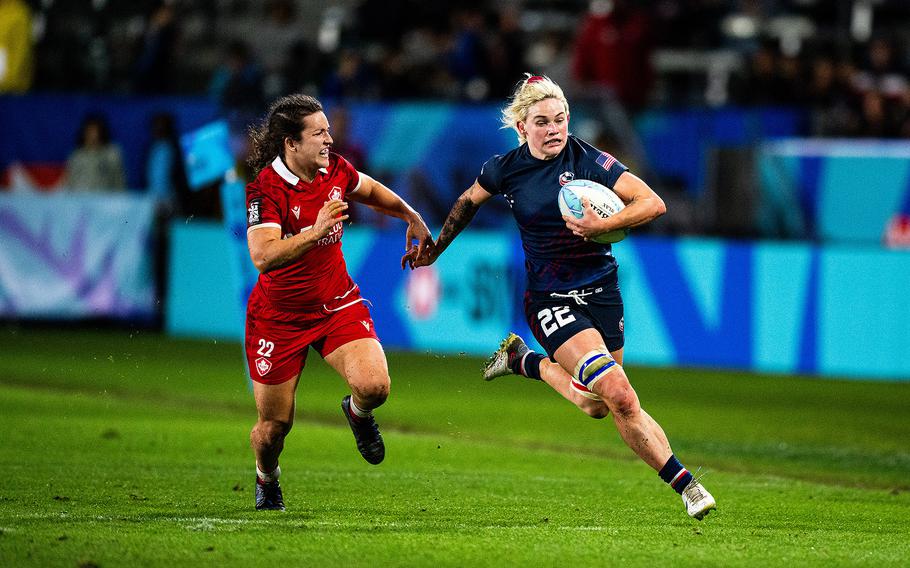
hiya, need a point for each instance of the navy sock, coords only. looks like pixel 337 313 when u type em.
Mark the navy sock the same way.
pixel 675 474
pixel 527 366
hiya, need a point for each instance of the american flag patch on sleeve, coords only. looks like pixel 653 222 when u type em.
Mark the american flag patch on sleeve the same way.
pixel 605 160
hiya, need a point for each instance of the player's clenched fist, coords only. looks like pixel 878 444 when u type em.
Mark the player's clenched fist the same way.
pixel 329 215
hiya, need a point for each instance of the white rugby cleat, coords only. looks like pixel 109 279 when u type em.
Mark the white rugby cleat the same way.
pixel 697 500
pixel 500 362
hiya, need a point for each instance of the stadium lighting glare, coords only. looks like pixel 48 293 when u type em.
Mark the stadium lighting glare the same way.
pixel 861 20
pixel 740 26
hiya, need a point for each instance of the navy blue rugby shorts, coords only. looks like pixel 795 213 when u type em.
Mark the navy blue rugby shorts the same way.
pixel 554 317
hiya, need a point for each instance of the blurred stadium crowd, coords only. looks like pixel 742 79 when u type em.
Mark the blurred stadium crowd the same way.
pixel 755 120
pixel 689 92
pixel 832 56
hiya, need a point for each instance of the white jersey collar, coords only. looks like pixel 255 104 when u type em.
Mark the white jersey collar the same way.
pixel 286 174
pixel 282 170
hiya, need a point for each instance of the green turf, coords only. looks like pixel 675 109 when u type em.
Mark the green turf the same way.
pixel 127 450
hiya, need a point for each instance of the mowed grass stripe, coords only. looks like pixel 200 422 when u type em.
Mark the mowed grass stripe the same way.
pixel 832 431
pixel 116 462
pixel 113 500
pixel 831 462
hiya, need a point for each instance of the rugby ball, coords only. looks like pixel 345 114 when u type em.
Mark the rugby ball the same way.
pixel 602 199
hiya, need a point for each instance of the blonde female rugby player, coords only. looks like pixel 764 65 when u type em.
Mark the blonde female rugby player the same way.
pixel 572 301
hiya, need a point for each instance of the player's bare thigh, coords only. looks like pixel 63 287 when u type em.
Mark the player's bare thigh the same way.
pixel 568 354
pixel 362 363
pixel 275 403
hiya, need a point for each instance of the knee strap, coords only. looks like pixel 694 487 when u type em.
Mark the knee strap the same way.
pixel 582 390
pixel 592 367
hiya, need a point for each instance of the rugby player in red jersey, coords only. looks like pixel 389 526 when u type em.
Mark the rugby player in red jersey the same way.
pixel 304 296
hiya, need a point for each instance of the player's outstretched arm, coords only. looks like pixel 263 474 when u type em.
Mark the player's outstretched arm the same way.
pixel 379 197
pixel 460 215
pixel 269 251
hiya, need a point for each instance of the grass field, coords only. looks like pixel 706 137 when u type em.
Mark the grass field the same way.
pixel 129 449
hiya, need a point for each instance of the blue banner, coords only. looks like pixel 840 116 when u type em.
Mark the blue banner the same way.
pixel 833 190
pixel 460 304
pixel 773 307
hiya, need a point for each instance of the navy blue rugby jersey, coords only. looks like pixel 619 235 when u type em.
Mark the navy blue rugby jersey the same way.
pixel 555 259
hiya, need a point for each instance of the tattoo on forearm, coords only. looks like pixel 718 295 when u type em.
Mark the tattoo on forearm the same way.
pixel 459 217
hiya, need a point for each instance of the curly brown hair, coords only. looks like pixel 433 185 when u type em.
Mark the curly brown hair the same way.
pixel 284 120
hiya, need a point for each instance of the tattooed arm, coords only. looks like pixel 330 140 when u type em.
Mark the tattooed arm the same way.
pixel 460 215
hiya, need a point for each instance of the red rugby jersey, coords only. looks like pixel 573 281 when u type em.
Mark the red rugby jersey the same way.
pixel 279 199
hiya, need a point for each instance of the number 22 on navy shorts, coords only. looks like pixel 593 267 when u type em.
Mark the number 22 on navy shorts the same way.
pixel 555 317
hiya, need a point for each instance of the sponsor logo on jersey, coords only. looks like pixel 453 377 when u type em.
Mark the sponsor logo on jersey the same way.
pixel 366 324
pixel 263 366
pixel 335 193
pixel 253 216
pixel 566 177
pixel 333 236
pixel 296 211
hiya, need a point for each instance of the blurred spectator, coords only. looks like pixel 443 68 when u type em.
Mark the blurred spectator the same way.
pixel 475 50
pixel 771 78
pixel 15 47
pixel 236 85
pixel 613 50
pixel 760 83
pixel 339 122
pixel 882 85
pixel 393 78
pixel 870 100
pixel 273 43
pixel 822 89
pixel 466 56
pixel 426 72
pixel 383 21
pixel 155 65
pixel 792 85
pixel 689 24
pixel 829 99
pixel 506 53
pixel 873 120
pixel 349 80
pixel 310 65
pixel 96 163
pixel 549 55
pixel 881 70
pixel 164 169
pixel 902 114
pixel 237 88
pixel 342 143
pixel 166 181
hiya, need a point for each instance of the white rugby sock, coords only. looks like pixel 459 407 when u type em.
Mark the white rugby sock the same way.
pixel 268 477
pixel 359 412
